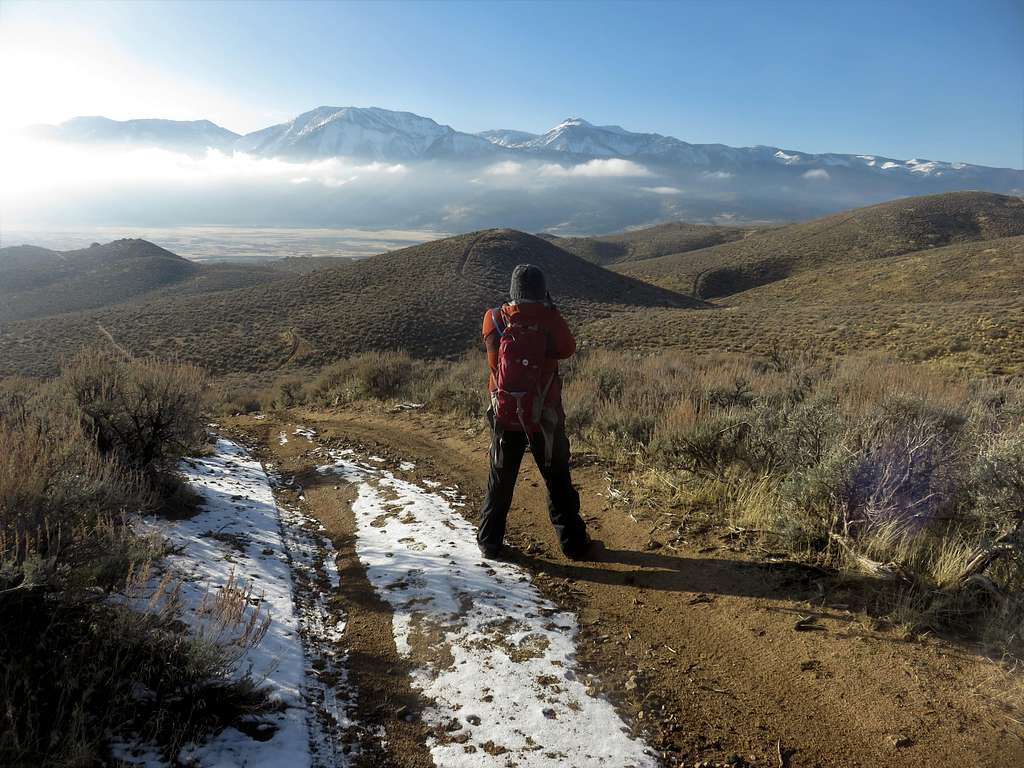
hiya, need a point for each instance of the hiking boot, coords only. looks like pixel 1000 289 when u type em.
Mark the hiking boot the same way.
pixel 492 554
pixel 581 551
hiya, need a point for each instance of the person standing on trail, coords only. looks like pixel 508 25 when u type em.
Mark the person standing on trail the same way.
pixel 525 339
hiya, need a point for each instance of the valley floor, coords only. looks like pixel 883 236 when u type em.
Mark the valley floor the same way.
pixel 417 653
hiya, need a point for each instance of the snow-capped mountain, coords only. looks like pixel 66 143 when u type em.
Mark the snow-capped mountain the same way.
pixel 186 135
pixel 368 133
pixel 511 139
pixel 575 136
pixel 389 136
pixel 578 175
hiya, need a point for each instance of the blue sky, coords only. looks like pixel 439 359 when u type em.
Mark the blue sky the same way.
pixel 940 80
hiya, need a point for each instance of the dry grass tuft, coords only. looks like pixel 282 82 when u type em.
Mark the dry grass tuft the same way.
pixel 80 458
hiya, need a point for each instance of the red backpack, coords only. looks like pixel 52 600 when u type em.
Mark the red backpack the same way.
pixel 521 390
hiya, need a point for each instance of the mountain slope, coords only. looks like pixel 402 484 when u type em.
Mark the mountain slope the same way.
pixel 181 135
pixel 427 299
pixel 874 232
pixel 369 133
pixel 648 243
pixel 39 282
pixel 507 138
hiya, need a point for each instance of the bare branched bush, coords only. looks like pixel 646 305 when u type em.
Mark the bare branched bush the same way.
pixel 143 411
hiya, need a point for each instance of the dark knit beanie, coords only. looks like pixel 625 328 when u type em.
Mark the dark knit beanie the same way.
pixel 528 284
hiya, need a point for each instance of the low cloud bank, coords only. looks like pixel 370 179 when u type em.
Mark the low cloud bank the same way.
pixel 49 185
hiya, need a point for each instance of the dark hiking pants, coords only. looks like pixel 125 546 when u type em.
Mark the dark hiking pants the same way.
pixel 507 449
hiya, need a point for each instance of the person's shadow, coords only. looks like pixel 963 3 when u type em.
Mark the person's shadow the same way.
pixel 659 570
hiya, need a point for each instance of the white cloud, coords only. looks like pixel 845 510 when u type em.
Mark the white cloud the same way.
pixel 663 190
pixel 817 174
pixel 610 168
pixel 717 175
pixel 30 165
pixel 505 168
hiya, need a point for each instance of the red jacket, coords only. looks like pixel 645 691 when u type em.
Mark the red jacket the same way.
pixel 561 343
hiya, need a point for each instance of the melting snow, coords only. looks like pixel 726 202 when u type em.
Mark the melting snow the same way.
pixel 495 657
pixel 237 535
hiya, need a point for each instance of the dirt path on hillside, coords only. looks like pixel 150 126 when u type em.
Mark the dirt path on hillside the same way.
pixel 700 650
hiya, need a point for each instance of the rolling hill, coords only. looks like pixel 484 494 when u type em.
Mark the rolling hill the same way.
pixel 875 232
pixel 982 270
pixel 878 279
pixel 427 299
pixel 649 243
pixel 39 282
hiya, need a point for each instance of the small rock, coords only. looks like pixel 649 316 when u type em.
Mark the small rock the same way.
pixel 460 738
pixel 901 742
pixel 472 719
pixel 631 683
pixel 549 713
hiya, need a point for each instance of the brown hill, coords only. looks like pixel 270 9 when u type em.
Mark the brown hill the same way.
pixel 427 299
pixel 984 270
pixel 958 305
pixel 875 232
pixel 303 265
pixel 649 243
pixel 38 282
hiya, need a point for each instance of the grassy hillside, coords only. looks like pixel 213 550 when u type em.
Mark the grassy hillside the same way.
pixel 985 336
pixel 876 232
pixel 979 271
pixel 39 282
pixel 674 237
pixel 428 299
pixel 960 305
pixel 303 265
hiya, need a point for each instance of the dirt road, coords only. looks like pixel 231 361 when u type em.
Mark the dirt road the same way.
pixel 698 649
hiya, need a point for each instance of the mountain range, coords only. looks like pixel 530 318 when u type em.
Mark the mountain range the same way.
pixel 388 136
pixel 377 168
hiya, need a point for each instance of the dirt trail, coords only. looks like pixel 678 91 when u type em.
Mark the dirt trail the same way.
pixel 698 649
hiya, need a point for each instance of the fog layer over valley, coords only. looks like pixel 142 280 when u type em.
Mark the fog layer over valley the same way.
pixel 373 168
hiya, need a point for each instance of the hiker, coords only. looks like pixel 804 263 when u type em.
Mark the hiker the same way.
pixel 525 339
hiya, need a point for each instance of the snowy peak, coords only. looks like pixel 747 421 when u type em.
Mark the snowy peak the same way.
pixel 507 138
pixel 370 133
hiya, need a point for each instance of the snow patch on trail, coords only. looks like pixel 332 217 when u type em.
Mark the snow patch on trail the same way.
pixel 236 535
pixel 495 657
pixel 240 536
pixel 327 689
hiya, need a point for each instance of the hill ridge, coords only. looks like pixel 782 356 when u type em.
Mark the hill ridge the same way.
pixel 428 299
pixel 875 231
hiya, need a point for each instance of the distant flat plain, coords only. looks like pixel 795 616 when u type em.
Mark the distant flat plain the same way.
pixel 234 244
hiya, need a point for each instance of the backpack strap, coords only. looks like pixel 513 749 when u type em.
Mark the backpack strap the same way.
pixel 498 320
